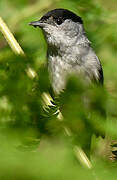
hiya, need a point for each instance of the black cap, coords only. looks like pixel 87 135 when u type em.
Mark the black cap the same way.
pixel 63 14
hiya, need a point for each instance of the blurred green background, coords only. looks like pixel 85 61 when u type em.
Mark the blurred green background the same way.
pixel 32 141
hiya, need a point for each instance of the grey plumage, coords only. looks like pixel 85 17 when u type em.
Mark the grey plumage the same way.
pixel 69 50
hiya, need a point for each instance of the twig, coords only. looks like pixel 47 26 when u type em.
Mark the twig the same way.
pixel 14 45
pixel 79 153
pixel 10 38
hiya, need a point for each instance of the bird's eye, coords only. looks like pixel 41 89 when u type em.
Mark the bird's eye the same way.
pixel 59 21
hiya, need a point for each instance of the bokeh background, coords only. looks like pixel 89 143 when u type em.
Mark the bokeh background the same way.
pixel 32 142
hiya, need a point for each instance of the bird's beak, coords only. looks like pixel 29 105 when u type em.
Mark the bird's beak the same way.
pixel 37 24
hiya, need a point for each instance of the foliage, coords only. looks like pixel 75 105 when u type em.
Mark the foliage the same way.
pixel 33 142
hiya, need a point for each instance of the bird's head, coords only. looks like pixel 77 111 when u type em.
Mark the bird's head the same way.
pixel 60 27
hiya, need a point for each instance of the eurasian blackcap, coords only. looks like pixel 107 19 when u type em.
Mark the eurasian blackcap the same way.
pixel 69 50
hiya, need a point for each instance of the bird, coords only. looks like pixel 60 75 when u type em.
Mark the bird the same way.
pixel 69 50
